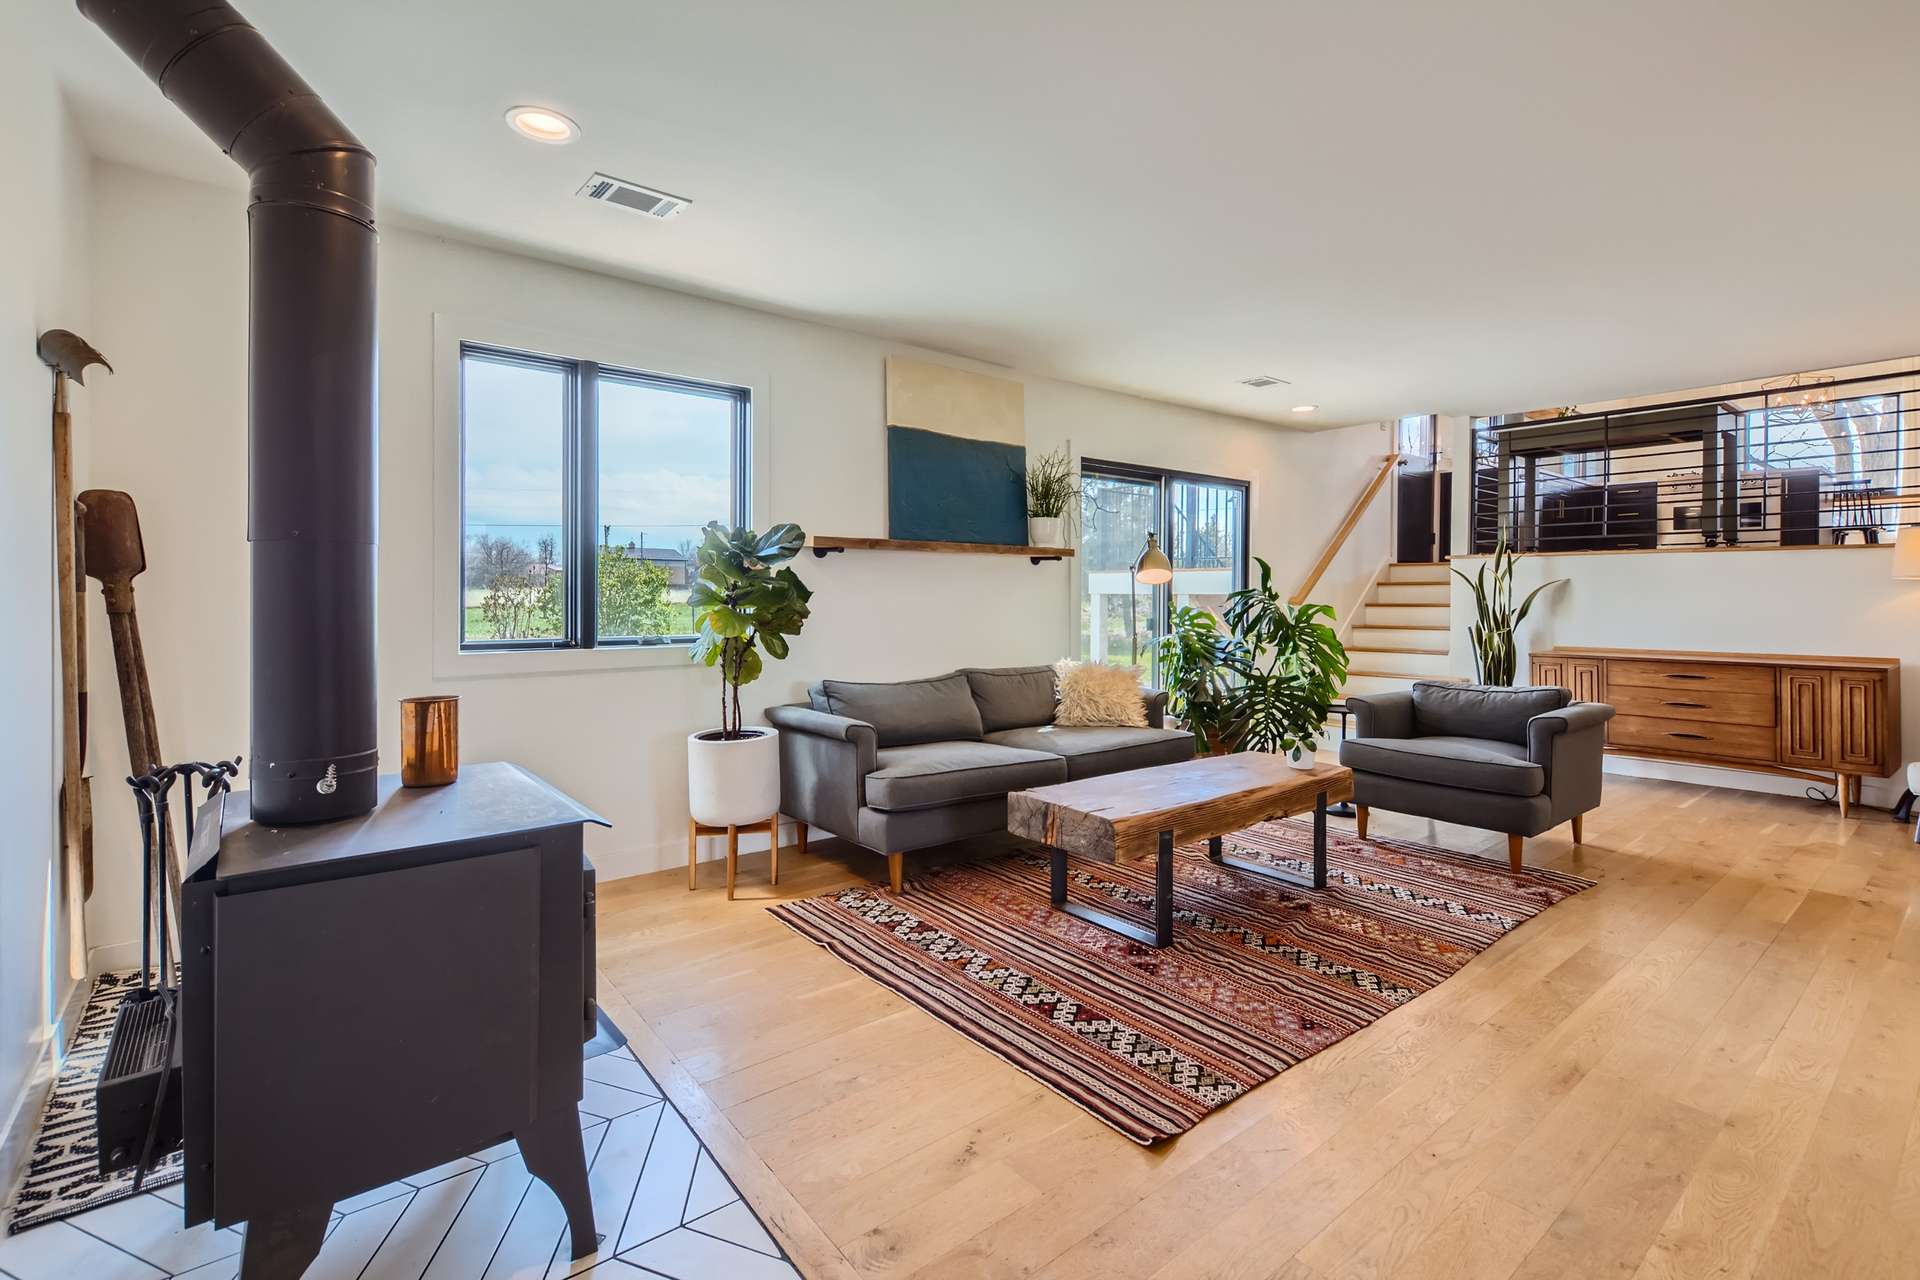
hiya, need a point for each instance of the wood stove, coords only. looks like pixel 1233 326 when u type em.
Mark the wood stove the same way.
pixel 367 998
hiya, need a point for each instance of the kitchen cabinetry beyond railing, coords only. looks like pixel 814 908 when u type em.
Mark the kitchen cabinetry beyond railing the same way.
pixel 1828 719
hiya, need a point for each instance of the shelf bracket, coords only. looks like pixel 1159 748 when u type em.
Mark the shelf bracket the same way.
pixel 821 553
pixel 1041 559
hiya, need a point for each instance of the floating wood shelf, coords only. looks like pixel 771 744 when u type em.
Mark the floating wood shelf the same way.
pixel 824 546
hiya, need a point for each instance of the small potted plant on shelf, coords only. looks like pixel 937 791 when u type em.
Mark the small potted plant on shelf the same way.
pixel 1289 664
pixel 1053 492
pixel 742 606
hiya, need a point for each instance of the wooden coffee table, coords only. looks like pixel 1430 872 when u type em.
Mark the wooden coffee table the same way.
pixel 1123 816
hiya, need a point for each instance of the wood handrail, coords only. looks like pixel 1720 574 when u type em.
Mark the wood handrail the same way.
pixel 1340 535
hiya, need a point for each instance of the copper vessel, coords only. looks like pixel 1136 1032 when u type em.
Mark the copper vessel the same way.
pixel 429 741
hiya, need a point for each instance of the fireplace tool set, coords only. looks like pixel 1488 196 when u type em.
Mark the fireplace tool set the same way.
pixel 138 1095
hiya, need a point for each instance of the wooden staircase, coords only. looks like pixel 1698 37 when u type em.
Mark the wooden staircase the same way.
pixel 1404 633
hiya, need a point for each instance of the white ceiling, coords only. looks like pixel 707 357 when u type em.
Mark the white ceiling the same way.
pixel 1401 207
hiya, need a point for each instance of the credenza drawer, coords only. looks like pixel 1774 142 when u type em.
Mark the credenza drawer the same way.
pixel 1689 675
pixel 1717 706
pixel 1693 737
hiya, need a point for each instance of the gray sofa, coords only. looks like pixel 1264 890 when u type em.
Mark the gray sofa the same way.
pixel 1515 760
pixel 906 765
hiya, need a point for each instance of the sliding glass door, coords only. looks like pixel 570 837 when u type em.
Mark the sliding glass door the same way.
pixel 1201 522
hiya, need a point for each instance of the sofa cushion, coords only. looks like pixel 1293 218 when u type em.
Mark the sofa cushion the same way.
pixel 939 709
pixel 1012 697
pixel 929 774
pixel 1480 710
pixel 1090 751
pixel 1471 764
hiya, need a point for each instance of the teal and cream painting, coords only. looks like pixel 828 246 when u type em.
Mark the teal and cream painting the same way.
pixel 956 455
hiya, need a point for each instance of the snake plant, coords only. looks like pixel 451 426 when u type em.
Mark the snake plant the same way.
pixel 1495 656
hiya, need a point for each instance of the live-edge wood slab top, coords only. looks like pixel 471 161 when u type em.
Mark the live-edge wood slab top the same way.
pixel 1119 816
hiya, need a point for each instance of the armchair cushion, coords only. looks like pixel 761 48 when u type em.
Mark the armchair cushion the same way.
pixel 1472 764
pixel 1012 697
pixel 1481 710
pixel 930 774
pixel 905 712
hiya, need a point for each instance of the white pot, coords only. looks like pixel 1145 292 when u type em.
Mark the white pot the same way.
pixel 1301 757
pixel 733 782
pixel 1046 531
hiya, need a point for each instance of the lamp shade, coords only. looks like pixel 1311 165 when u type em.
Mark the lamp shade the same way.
pixel 1906 554
pixel 1153 567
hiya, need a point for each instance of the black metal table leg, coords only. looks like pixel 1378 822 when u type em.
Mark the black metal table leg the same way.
pixel 1345 808
pixel 1160 935
pixel 1319 878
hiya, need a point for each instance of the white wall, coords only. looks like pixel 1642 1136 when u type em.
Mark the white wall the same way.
pixel 43 284
pixel 171 272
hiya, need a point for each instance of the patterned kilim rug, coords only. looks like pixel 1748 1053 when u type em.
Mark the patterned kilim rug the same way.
pixel 63 1174
pixel 1259 976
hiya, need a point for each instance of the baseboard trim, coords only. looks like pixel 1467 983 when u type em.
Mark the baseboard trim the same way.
pixel 16 1136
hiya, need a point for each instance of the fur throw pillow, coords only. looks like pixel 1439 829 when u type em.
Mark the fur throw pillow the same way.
pixel 1097 695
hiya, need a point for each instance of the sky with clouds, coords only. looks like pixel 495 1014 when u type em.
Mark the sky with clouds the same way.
pixel 665 456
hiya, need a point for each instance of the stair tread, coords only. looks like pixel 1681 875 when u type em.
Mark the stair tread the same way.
pixel 1394 648
pixel 1398 626
pixel 1402 675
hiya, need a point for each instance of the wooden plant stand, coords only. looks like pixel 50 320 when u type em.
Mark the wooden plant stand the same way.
pixel 696 829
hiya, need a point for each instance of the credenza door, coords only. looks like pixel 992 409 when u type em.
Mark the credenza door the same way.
pixel 1806 730
pixel 1858 715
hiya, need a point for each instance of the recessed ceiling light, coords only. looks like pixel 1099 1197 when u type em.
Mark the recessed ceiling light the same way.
pixel 542 124
pixel 1305 408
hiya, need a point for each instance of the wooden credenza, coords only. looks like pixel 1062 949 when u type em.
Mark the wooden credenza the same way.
pixel 1823 718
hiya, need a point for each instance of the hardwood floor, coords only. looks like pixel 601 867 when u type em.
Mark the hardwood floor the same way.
pixel 1705 1066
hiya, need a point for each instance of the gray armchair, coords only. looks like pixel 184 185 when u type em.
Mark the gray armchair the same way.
pixel 1514 760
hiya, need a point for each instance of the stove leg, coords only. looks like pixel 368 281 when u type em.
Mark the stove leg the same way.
pixel 554 1154
pixel 281 1245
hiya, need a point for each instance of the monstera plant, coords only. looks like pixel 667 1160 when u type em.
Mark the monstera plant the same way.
pixel 1195 658
pixel 744 607
pixel 1288 665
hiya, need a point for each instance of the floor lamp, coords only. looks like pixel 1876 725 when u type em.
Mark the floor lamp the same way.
pixel 1150 568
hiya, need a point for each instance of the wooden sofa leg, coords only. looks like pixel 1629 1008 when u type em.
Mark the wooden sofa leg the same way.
pixel 800 837
pixel 896 869
pixel 1579 837
pixel 1360 821
pixel 1514 845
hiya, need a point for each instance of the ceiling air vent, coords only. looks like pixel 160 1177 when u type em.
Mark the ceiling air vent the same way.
pixel 1264 380
pixel 633 196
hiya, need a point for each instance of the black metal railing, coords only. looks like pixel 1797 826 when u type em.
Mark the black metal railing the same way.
pixel 1804 462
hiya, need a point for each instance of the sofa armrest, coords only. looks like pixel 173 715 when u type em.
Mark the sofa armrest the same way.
pixel 1568 745
pixel 824 763
pixel 1156 700
pixel 1381 715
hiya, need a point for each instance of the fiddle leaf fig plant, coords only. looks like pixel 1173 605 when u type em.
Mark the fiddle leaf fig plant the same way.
pixel 743 605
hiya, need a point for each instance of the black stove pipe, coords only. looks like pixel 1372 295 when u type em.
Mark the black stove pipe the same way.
pixel 312 425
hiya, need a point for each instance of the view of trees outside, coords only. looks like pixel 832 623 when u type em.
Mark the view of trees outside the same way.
pixel 1201 530
pixel 666 459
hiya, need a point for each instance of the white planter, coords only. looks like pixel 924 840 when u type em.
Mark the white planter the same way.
pixel 1301 757
pixel 732 783
pixel 1046 531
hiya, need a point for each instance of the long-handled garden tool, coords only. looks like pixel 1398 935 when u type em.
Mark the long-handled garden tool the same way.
pixel 69 356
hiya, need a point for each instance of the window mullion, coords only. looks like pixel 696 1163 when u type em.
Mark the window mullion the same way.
pixel 584 478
